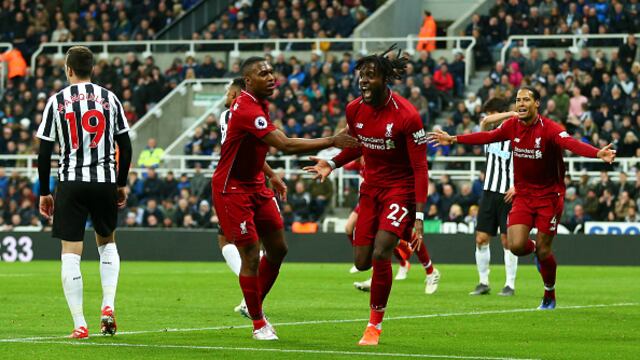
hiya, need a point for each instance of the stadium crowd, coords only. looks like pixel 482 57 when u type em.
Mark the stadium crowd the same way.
pixel 593 95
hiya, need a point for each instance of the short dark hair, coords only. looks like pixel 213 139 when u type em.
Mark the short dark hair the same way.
pixel 391 69
pixel 238 82
pixel 534 92
pixel 246 65
pixel 80 60
pixel 495 104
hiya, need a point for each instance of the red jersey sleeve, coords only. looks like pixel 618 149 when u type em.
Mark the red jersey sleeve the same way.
pixel 416 139
pixel 501 133
pixel 252 119
pixel 560 137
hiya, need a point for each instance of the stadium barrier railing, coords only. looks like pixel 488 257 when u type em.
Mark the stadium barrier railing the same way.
pixel 279 45
pixel 291 166
pixel 577 41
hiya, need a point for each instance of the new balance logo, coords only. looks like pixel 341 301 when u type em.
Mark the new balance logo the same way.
pixel 77 278
pixel 359 125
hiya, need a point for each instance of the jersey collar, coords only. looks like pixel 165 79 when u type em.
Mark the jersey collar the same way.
pixel 264 103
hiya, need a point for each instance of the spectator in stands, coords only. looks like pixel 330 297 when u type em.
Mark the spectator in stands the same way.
pixel 152 186
pixel 428 29
pixel 622 206
pixel 321 193
pixel 300 201
pixel 443 81
pixel 577 219
pixel 420 103
pixel 570 201
pixel 627 52
pixel 632 216
pixel 152 215
pixel 169 187
pixel 606 207
pixel 446 201
pixel 151 156
pixel 629 145
pixel 204 215
pixel 455 214
pixel 576 103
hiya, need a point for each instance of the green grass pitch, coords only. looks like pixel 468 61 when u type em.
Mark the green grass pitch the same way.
pixel 177 310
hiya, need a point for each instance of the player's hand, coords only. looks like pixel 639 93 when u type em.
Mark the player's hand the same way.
pixel 417 235
pixel 342 140
pixel 607 155
pixel 440 137
pixel 321 169
pixel 509 195
pixel 122 197
pixel 279 187
pixel 46 206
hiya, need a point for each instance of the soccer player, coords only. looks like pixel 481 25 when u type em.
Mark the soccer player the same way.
pixel 228 249
pixel 247 210
pixel 495 203
pixel 394 190
pixel 537 144
pixel 87 121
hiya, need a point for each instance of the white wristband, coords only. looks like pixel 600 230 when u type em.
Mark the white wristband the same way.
pixel 332 164
pixel 419 215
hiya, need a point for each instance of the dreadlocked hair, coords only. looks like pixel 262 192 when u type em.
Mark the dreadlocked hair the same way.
pixel 392 69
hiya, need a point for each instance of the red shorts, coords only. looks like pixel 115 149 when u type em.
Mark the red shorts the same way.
pixel 541 213
pixel 247 216
pixel 389 209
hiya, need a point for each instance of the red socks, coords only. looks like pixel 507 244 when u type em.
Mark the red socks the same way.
pixel 267 275
pixel 250 290
pixel 425 259
pixel 548 268
pixel 380 289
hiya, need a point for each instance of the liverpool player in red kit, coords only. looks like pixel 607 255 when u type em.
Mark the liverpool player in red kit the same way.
pixel 247 210
pixel 394 190
pixel 537 146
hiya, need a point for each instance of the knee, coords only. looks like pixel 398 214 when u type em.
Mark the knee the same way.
pixel 363 264
pixel 518 250
pixel 482 239
pixel 543 251
pixel 278 253
pixel 381 254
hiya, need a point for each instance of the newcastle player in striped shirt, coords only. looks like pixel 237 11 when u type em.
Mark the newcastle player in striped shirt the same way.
pixel 496 201
pixel 87 121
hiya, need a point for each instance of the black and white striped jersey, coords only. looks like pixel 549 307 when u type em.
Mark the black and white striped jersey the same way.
pixel 84 118
pixel 224 123
pixel 499 172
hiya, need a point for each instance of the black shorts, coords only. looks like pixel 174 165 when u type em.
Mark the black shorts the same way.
pixel 76 200
pixel 493 213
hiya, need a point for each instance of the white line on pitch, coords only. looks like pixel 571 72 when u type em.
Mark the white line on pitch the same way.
pixel 295 351
pixel 339 321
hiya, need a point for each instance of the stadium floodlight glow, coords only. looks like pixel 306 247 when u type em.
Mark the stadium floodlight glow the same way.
pixel 146 54
pixel 234 54
pixel 58 56
pixel 574 49
pixel 276 52
pixel 525 50
pixel 318 52
pixel 103 55
pixel 190 54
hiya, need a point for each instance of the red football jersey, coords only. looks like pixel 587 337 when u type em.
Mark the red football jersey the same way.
pixel 393 144
pixel 538 166
pixel 243 152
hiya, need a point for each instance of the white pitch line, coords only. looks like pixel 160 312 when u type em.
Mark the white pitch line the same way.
pixel 339 321
pixel 295 351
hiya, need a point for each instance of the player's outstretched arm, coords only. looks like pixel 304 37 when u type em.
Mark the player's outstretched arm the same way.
pixel 44 171
pixel 288 145
pixel 124 145
pixel 441 138
pixel 278 185
pixel 493 119
pixel 321 170
pixel 577 147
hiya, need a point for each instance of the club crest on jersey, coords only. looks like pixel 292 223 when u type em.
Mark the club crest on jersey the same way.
pixel 537 145
pixel 359 125
pixel 243 227
pixel 389 129
pixel 261 123
pixel 235 106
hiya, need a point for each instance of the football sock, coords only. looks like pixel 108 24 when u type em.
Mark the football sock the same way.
pixel 510 267
pixel 72 286
pixel 548 268
pixel 483 258
pixel 232 257
pixel 529 247
pixel 267 275
pixel 425 259
pixel 380 290
pixel 398 256
pixel 251 292
pixel 109 270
